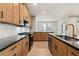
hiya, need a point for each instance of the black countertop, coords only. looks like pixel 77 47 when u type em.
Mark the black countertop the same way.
pixel 8 41
pixel 68 40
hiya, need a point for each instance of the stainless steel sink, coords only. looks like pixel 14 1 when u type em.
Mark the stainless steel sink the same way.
pixel 67 38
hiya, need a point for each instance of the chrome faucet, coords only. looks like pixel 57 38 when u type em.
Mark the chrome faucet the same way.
pixel 72 28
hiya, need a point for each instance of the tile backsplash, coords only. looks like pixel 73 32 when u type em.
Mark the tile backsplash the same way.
pixel 8 30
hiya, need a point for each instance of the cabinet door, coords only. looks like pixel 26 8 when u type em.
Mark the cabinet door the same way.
pixel 21 12
pixel 50 44
pixel 58 48
pixel 35 36
pixel 25 46
pixel 16 13
pixel 72 51
pixel 6 13
pixel 45 36
pixel 2 12
pixel 9 13
pixel 18 49
pixel 39 36
pixel 25 12
pixel 54 47
pixel 61 48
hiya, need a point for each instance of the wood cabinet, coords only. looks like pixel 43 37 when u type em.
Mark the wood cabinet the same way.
pixel 16 13
pixel 25 46
pixel 27 15
pixel 21 12
pixel 18 49
pixel 60 48
pixel 6 12
pixel 72 51
pixel 9 13
pixel 40 36
pixel 50 43
pixel 35 36
pixel 54 46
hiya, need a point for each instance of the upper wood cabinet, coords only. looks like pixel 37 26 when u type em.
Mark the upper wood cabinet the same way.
pixel 25 15
pixel 16 13
pixel 6 12
pixel 21 13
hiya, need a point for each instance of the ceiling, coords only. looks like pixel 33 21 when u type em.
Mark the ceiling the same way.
pixel 54 9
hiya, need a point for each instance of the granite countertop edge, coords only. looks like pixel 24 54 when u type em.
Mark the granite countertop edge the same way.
pixel 20 37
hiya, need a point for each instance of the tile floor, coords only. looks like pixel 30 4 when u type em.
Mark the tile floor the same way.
pixel 39 48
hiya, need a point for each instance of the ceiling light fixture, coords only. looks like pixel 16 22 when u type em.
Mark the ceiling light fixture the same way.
pixel 44 12
pixel 34 4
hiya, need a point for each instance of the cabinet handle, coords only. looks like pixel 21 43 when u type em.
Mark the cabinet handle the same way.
pixel 13 48
pixel 14 54
pixel 55 47
pixel 1 14
pixel 73 54
pixel 26 43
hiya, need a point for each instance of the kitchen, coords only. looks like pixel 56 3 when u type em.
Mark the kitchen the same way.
pixel 39 29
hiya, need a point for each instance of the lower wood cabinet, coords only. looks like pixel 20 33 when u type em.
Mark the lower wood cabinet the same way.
pixel 25 46
pixel 35 36
pixel 40 36
pixel 72 51
pixel 18 49
pixel 60 48
pixel 54 46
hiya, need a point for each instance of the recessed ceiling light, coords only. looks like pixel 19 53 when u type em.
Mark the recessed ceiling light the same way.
pixel 44 12
pixel 34 4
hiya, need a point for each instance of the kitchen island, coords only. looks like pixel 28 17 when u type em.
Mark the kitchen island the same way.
pixel 62 46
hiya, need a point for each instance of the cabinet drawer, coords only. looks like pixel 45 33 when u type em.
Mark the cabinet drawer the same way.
pixel 18 49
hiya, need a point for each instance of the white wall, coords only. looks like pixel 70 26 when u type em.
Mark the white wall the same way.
pixel 33 24
pixel 58 25
pixel 53 20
